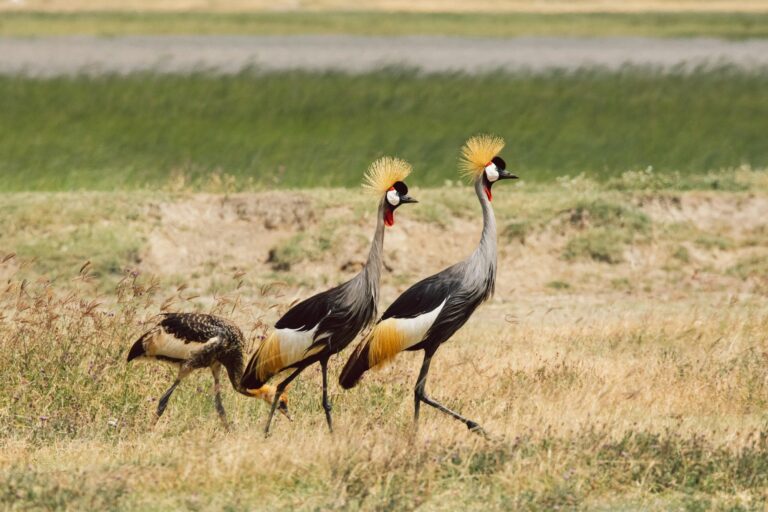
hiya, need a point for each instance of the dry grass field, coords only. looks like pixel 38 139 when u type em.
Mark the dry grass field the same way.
pixel 620 366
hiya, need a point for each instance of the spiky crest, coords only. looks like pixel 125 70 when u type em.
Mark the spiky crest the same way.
pixel 477 152
pixel 385 172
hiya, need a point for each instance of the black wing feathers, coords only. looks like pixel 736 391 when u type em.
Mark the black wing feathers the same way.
pixel 355 367
pixel 137 350
pixel 309 312
pixel 423 296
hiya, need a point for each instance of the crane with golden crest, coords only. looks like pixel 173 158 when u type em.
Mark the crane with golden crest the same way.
pixel 428 313
pixel 324 324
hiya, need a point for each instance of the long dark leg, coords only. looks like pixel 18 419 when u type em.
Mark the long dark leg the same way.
pixel 279 391
pixel 163 402
pixel 421 396
pixel 216 369
pixel 326 402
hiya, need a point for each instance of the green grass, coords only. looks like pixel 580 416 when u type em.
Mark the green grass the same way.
pixel 727 25
pixel 301 129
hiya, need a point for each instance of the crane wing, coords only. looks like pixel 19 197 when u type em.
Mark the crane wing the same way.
pixel 424 296
pixel 293 338
pixel 180 335
pixel 404 324
pixel 191 327
pixel 307 314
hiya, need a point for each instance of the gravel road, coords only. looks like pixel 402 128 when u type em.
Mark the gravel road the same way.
pixel 229 54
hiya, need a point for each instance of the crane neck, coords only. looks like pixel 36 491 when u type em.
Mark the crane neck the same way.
pixel 372 269
pixel 235 367
pixel 488 239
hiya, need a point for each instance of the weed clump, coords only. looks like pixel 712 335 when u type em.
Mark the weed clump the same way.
pixel 607 228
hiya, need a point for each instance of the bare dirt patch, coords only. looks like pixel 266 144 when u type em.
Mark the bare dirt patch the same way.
pixel 693 239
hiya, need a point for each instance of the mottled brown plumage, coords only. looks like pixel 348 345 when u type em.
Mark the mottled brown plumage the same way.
pixel 193 341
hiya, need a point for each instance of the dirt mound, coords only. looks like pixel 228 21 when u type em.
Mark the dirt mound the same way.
pixel 689 239
pixel 206 231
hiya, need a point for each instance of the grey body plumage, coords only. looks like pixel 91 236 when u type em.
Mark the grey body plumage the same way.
pixel 326 323
pixel 428 313
pixel 468 283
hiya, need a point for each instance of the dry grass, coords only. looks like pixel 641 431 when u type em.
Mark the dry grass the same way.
pixel 543 6
pixel 639 385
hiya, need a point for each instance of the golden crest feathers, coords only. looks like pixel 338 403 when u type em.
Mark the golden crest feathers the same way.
pixel 477 152
pixel 384 172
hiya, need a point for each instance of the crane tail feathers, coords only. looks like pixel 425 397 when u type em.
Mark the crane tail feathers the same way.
pixel 381 346
pixel 137 350
pixel 355 367
pixel 265 363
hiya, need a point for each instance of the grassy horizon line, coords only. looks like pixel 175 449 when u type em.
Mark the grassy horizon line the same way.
pixel 730 25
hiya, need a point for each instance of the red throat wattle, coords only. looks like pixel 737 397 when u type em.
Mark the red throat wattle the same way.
pixel 389 217
pixel 488 193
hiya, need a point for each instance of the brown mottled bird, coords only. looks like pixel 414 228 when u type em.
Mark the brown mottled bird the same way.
pixel 192 341
pixel 428 313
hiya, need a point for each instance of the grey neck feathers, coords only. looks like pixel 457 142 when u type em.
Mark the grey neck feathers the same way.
pixel 484 257
pixel 371 273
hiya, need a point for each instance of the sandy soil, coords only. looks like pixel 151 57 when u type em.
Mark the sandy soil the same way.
pixel 230 54
pixel 248 226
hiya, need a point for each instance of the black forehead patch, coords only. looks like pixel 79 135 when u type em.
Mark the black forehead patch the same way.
pixel 401 188
pixel 500 163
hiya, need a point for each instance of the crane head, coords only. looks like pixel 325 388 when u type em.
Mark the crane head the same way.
pixel 386 177
pixel 267 393
pixel 494 171
pixel 395 196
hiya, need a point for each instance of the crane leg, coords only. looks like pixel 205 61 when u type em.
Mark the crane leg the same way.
pixel 420 395
pixel 326 403
pixel 163 402
pixel 216 370
pixel 279 391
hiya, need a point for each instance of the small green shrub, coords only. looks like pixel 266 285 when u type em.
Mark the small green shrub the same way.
pixel 752 266
pixel 681 254
pixel 600 245
pixel 516 231
pixel 710 242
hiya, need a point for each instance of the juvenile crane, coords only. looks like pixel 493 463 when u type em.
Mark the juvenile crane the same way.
pixel 324 324
pixel 428 313
pixel 192 341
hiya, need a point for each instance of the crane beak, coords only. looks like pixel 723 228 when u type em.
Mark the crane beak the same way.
pixel 283 408
pixel 407 199
pixel 505 175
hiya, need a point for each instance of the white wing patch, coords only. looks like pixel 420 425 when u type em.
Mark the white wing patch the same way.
pixel 164 344
pixel 294 344
pixel 414 329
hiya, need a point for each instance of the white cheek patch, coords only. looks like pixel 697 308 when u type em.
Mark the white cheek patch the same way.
pixel 393 198
pixel 491 172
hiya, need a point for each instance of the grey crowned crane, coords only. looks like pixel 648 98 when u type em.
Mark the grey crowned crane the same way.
pixel 324 324
pixel 192 341
pixel 428 313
